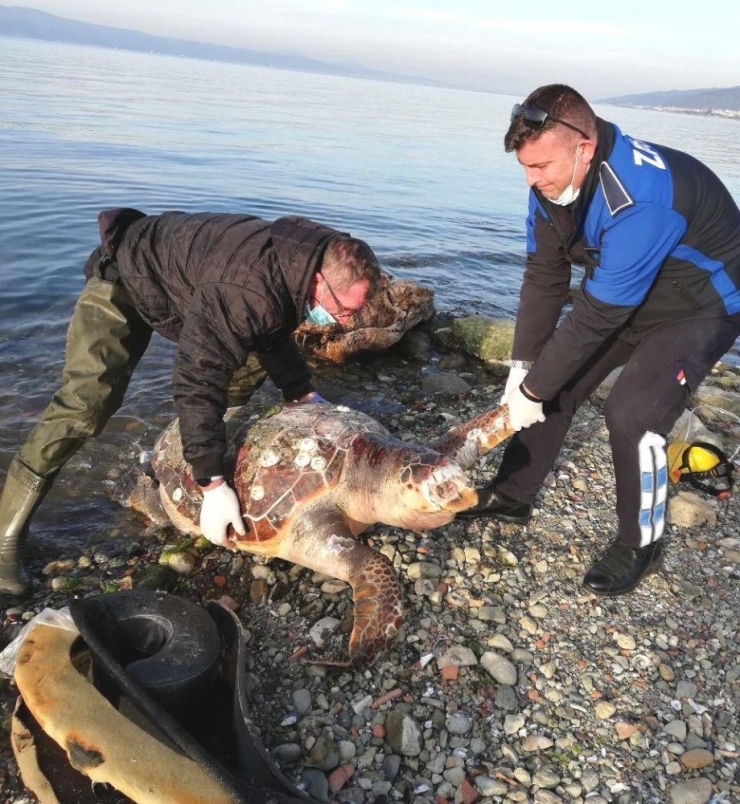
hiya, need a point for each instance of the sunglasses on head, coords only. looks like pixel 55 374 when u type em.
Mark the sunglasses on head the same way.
pixel 536 118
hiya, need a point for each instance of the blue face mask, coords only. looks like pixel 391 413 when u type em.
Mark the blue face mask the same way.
pixel 319 315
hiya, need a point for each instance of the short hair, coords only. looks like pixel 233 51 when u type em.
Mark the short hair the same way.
pixel 348 260
pixel 558 100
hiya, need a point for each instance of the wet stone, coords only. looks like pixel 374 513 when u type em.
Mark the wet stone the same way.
pixel 500 642
pixel 287 753
pixel 403 734
pixel 676 729
pixel 155 576
pixel 459 656
pixel 182 562
pixel 491 614
pixel 324 754
pixel 506 699
pixel 323 629
pixel 459 723
pixel 491 787
pixel 317 784
pixel 686 689
pixel 547 797
pixel 390 766
pixel 625 641
pixel 546 777
pixel 536 742
pixel 499 668
pixel 697 758
pixel 513 723
pixel 302 701
pixel 604 710
pixel 694 791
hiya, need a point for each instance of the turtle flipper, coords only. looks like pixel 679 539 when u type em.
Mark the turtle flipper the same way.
pixel 329 547
pixel 378 599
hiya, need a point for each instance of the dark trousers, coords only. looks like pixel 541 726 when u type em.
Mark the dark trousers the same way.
pixel 644 404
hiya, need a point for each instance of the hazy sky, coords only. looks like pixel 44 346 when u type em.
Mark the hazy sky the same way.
pixel 600 48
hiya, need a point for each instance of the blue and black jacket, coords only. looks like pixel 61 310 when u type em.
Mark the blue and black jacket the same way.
pixel 659 237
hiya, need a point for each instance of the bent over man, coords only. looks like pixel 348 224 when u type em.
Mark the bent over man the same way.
pixel 222 286
pixel 659 237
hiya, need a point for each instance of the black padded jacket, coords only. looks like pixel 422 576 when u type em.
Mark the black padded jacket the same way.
pixel 221 286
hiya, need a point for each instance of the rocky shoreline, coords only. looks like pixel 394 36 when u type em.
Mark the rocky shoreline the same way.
pixel 508 682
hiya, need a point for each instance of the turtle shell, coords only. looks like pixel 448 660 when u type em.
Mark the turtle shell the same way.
pixel 278 465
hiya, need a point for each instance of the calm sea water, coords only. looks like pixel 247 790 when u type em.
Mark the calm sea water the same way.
pixel 418 172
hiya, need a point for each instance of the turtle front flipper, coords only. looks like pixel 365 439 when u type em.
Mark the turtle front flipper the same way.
pixel 378 600
pixel 324 543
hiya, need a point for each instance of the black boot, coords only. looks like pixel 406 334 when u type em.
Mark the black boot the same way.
pixel 492 503
pixel 622 567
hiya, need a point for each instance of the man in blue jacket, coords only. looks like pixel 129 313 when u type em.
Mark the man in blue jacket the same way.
pixel 659 238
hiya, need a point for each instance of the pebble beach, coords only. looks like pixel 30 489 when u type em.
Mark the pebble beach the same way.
pixel 508 681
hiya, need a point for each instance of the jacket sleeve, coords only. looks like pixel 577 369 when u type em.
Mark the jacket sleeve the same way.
pixel 216 339
pixel 547 273
pixel 286 368
pixel 634 246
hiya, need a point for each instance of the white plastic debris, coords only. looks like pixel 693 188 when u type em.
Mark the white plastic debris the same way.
pixel 58 618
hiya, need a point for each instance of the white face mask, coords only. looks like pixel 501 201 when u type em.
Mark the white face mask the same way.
pixel 569 195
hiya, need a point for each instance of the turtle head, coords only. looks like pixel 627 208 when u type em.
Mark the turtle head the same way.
pixel 431 492
pixel 403 485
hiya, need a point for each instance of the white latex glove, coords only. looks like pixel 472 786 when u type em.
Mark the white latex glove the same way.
pixel 220 509
pixel 311 398
pixel 514 380
pixel 522 411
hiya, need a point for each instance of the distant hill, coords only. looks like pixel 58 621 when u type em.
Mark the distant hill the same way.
pixel 719 101
pixel 29 23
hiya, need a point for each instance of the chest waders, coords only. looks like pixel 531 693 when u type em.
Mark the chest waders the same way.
pixel 105 340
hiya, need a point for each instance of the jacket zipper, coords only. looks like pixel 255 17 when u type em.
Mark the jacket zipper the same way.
pixel 686 295
pixel 565 240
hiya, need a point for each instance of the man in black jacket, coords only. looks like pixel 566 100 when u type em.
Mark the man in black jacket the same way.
pixel 222 286
pixel 658 235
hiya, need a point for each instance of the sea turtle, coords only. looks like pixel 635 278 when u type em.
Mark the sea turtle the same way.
pixel 312 477
pixel 399 305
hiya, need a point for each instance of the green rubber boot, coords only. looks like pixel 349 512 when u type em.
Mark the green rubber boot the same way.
pixel 22 494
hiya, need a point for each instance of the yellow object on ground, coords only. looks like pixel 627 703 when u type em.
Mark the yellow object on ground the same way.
pixel 101 742
pixel 684 457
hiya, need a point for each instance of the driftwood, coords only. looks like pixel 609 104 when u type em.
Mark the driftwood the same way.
pixel 399 305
